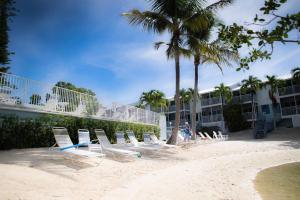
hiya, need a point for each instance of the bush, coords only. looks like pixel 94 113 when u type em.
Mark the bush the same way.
pixel 32 133
pixel 234 119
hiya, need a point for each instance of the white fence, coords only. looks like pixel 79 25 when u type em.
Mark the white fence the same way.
pixel 29 95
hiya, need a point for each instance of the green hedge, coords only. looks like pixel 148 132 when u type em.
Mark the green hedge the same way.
pixel 32 133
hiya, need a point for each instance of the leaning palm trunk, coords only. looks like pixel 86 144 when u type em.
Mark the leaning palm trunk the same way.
pixel 173 138
pixel 195 95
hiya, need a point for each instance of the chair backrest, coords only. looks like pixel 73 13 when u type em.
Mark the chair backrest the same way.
pixel 62 137
pixel 132 138
pixel 120 138
pixel 215 135
pixel 202 136
pixel 147 138
pixel 208 136
pixel 84 137
pixel 102 138
pixel 154 138
pixel 220 135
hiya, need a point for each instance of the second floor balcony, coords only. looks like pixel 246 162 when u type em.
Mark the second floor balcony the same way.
pixel 286 90
pixel 291 110
pixel 172 108
pixel 210 101
pixel 246 98
pixel 212 118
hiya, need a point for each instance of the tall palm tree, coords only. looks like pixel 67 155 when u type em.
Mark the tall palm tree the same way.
pixel 296 73
pixel 176 17
pixel 251 85
pixel 274 83
pixel 186 96
pixel 155 99
pixel 224 92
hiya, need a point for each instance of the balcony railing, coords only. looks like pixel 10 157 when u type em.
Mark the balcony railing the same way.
pixel 212 118
pixel 246 97
pixel 29 95
pixel 248 115
pixel 172 108
pixel 297 88
pixel 292 110
pixel 210 101
pixel 286 90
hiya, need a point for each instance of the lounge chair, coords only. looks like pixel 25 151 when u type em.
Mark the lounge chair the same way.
pixel 202 136
pixel 215 136
pixel 107 146
pixel 141 145
pixel 150 138
pixel 224 137
pixel 84 140
pixel 208 136
pixel 63 141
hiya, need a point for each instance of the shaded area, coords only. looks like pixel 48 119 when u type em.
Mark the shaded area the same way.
pixel 281 182
pixel 288 137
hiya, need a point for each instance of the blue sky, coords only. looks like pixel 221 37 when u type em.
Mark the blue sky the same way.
pixel 89 43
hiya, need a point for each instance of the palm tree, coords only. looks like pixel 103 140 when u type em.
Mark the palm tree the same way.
pixel 296 73
pixel 224 92
pixel 177 17
pixel 251 85
pixel 186 96
pixel 154 98
pixel 274 83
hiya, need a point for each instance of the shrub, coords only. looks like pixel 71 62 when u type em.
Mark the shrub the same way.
pixel 234 119
pixel 31 133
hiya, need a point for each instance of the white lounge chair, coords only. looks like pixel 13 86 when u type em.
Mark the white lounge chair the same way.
pixel 150 138
pixel 107 146
pixel 65 144
pixel 216 136
pixel 84 140
pixel 224 137
pixel 202 136
pixel 141 145
pixel 208 136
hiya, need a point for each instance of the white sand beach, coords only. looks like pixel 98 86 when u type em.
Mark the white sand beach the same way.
pixel 214 171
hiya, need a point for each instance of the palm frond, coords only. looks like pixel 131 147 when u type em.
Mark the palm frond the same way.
pixel 219 4
pixel 150 21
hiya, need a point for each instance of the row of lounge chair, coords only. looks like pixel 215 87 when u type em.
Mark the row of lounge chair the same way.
pixel 102 146
pixel 216 136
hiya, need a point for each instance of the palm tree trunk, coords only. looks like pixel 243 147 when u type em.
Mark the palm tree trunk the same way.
pixel 252 99
pixel 173 138
pixel 195 95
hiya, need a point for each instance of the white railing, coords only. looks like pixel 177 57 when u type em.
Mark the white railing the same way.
pixel 23 94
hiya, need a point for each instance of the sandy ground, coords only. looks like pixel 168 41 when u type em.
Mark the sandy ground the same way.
pixel 220 170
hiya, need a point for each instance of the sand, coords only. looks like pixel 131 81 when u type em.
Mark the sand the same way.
pixel 219 170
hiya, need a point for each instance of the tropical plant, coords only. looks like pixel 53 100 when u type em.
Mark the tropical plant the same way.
pixel 234 119
pixel 155 99
pixel 296 73
pixel 36 132
pixel 177 17
pixel 274 83
pixel 224 92
pixel 186 95
pixel 35 99
pixel 251 85
pixel 205 52
pixel 7 10
pixel 278 27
